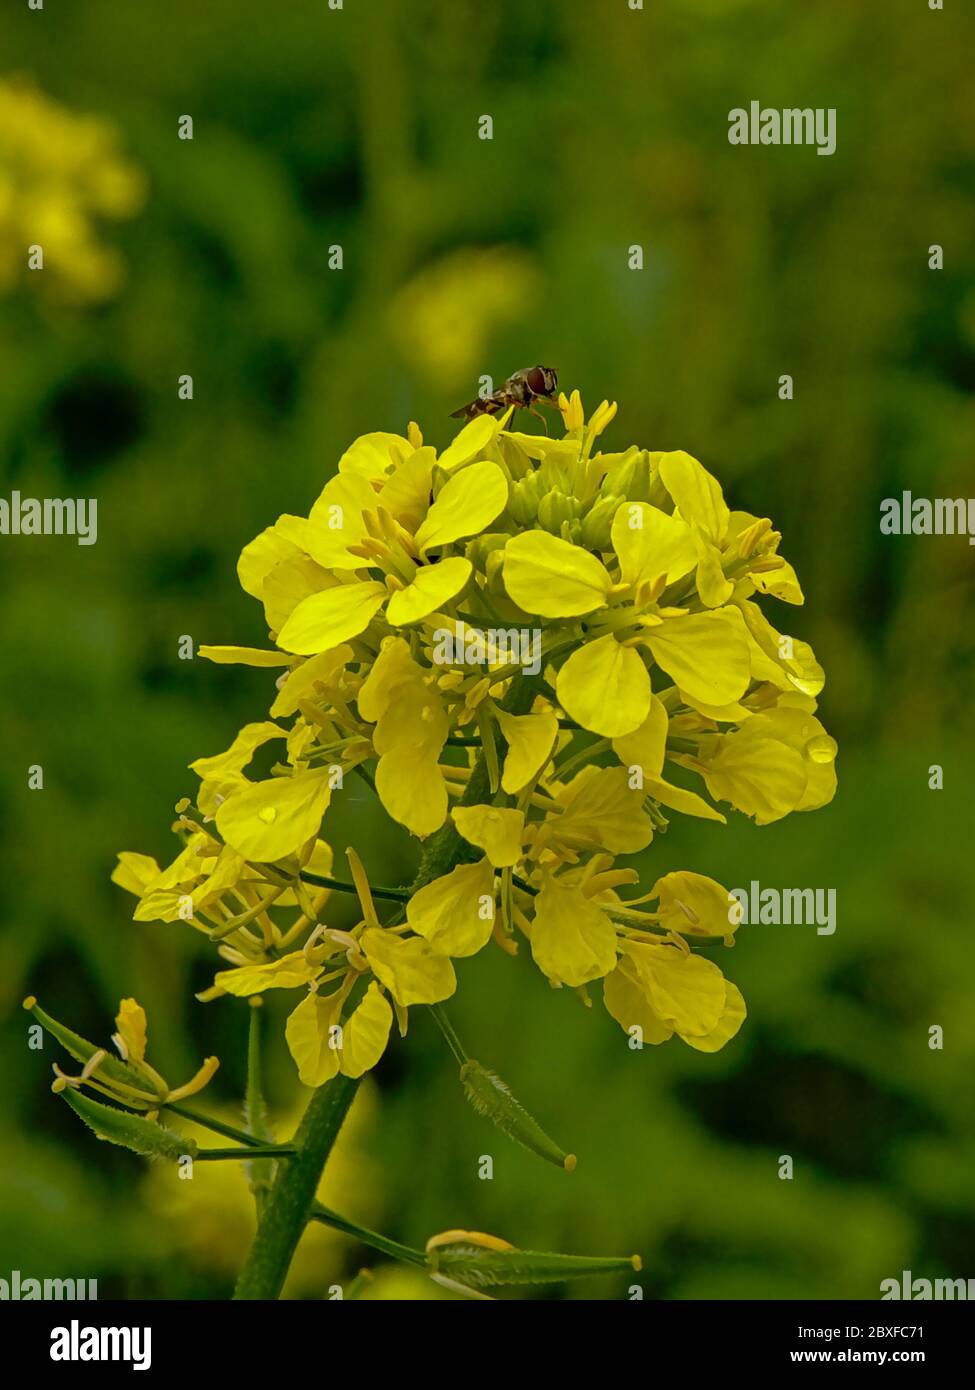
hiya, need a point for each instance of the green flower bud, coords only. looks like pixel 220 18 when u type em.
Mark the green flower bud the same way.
pixel 630 479
pixel 555 508
pixel 597 524
pixel 481 548
pixel 523 503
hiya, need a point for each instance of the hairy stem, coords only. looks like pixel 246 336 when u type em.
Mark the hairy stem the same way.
pixel 288 1205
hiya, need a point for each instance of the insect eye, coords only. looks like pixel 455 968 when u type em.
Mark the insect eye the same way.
pixel 536 380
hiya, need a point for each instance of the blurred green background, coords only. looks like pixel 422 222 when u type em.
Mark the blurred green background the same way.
pixel 316 128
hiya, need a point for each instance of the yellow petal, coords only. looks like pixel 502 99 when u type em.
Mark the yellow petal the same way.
pixel 259 557
pixel 713 586
pixel 290 972
pixel 686 991
pixel 646 746
pixel 271 819
pixel 697 496
pixel 601 808
pixel 465 505
pixel 626 1000
pixel 732 1017
pixel 802 732
pixel 412 789
pixel 373 455
pixel 605 687
pixel 498 830
pixel 548 576
pixel 787 662
pixel 694 905
pixel 393 666
pixel 411 970
pixel 134 872
pixel 572 940
pixel 221 774
pixel 705 654
pixel 472 440
pixel 131 1024
pixel 288 584
pixel 336 521
pixel 365 1035
pixel 243 656
pixel 431 588
pixel 530 738
pixel 455 913
pixel 680 799
pixel 327 619
pixel 650 543
pixel 405 494
pixel 312 1033
pixel 300 683
pixel 759 776
pixel 782 583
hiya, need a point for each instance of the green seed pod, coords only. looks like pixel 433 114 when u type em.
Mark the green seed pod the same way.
pixel 597 524
pixel 82 1050
pixel 130 1131
pixel 489 1096
pixel 479 1267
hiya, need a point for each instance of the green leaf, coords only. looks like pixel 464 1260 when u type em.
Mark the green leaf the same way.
pixel 490 1096
pixel 130 1131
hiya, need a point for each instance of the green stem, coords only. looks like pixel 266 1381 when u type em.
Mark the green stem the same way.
pixel 393 895
pixel 259 1174
pixel 245 1152
pixel 289 1203
pixel 450 1033
pixel 217 1126
pixel 389 1247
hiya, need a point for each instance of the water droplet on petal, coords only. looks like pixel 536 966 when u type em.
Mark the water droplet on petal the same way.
pixel 821 749
pixel 267 814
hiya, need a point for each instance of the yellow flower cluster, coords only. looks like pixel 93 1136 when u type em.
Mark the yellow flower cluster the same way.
pixel 397 610
pixel 59 174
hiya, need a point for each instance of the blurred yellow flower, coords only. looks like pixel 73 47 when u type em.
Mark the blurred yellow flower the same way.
pixel 443 318
pixel 209 1218
pixel 60 174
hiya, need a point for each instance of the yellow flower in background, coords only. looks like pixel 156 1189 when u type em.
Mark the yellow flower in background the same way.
pixel 61 175
pixel 442 319
pixel 518 643
pixel 209 1221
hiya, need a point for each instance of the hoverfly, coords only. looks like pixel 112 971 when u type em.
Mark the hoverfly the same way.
pixel 522 390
